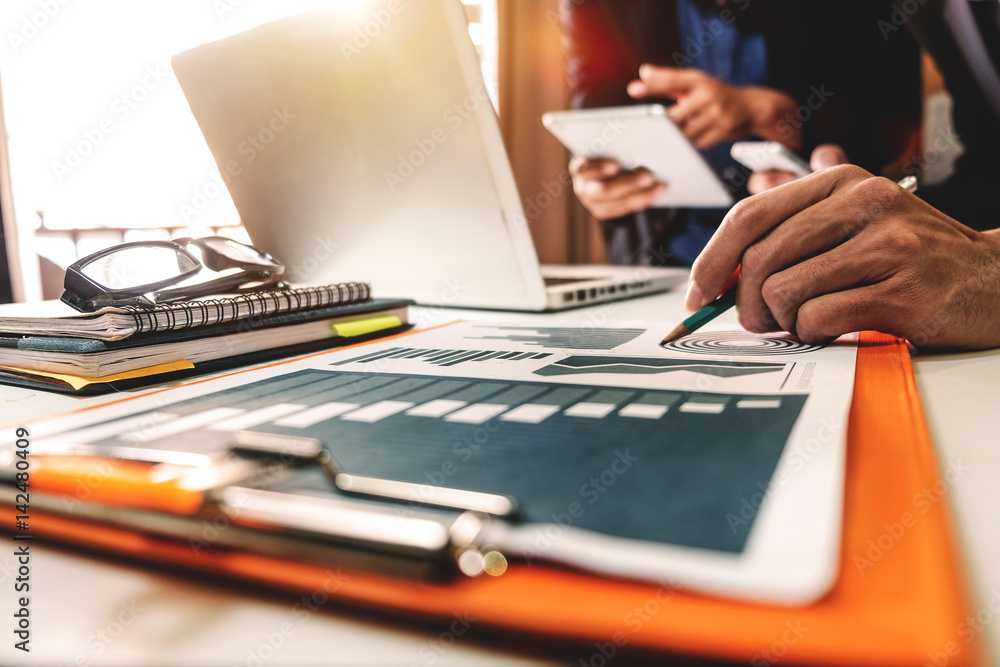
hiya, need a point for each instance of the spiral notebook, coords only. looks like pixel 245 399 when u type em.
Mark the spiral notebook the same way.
pixel 54 318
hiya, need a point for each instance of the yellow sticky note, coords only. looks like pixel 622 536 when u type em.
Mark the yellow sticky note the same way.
pixel 367 326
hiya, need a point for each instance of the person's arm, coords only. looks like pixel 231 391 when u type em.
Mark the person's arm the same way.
pixel 709 111
pixel 604 44
pixel 841 251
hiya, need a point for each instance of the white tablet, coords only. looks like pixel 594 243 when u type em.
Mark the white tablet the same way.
pixel 643 136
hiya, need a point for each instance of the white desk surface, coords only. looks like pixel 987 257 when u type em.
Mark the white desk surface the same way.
pixel 89 610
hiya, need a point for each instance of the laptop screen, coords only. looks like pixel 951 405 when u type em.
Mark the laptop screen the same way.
pixel 369 154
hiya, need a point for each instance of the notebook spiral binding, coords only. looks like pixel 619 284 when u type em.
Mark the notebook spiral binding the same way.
pixel 201 312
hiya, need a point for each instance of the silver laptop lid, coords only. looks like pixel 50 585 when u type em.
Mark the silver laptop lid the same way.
pixel 356 153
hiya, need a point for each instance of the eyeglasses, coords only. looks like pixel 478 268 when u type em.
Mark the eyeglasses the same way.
pixel 137 274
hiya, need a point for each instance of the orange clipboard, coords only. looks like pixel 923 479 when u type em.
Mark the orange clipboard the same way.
pixel 900 598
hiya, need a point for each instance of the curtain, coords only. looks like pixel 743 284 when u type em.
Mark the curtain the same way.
pixel 532 80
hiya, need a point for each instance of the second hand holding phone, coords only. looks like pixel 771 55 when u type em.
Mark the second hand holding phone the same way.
pixel 768 156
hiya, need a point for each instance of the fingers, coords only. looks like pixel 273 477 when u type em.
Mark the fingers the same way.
pixel 611 193
pixel 589 168
pixel 707 130
pixel 815 231
pixel 762 181
pixel 752 219
pixel 827 155
pixel 868 307
pixel 789 294
pixel 686 110
pixel 702 120
pixel 695 116
pixel 664 81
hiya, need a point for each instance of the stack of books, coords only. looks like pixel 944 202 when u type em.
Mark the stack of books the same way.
pixel 51 346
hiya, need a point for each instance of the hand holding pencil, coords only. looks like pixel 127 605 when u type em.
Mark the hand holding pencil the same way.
pixel 709 312
pixel 841 251
pixel 727 299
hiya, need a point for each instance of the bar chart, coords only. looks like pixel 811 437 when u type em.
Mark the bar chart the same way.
pixel 689 458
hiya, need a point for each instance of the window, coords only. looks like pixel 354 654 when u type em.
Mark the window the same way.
pixel 102 146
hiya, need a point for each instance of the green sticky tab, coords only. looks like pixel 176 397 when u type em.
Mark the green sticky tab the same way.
pixel 362 327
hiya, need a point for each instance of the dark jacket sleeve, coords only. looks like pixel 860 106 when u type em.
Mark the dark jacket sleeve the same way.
pixel 852 85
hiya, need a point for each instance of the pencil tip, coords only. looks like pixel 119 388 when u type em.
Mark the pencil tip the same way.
pixel 679 332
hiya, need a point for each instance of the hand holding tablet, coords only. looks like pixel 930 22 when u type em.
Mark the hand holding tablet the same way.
pixel 643 139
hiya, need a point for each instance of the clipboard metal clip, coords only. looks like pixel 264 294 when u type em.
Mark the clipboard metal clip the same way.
pixel 442 528
pixel 425 535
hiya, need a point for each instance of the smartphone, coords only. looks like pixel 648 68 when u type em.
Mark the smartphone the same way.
pixel 643 136
pixel 768 155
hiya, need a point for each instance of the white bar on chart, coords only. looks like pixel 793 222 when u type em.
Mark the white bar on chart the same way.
pixel 643 411
pixel 477 413
pixel 590 410
pixel 377 411
pixel 530 413
pixel 257 417
pixel 703 408
pixel 122 427
pixel 437 408
pixel 761 404
pixel 189 423
pixel 315 415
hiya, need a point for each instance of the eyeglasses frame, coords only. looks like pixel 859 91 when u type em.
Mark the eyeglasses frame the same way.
pixel 87 295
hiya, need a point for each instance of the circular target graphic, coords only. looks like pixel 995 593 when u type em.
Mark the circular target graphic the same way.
pixel 740 344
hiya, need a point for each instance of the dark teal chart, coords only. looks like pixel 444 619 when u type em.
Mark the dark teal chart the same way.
pixel 660 466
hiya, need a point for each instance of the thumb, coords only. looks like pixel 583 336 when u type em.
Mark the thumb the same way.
pixel 827 155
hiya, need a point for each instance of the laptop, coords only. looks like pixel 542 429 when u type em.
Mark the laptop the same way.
pixel 359 143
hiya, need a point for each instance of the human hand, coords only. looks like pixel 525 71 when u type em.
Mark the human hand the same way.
pixel 608 191
pixel 841 250
pixel 709 111
pixel 827 155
